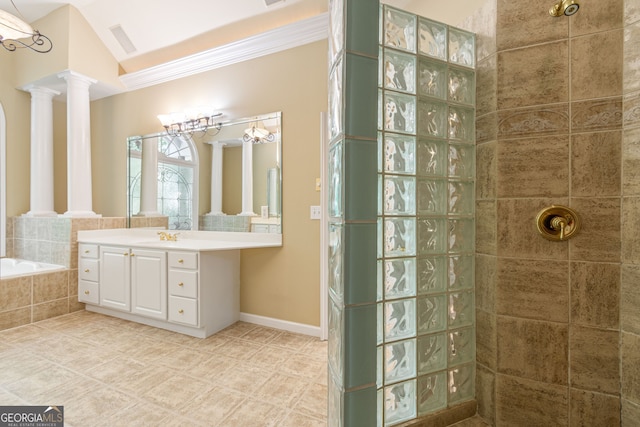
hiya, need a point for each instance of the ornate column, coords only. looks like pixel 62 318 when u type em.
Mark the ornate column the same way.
pixel 216 178
pixel 247 178
pixel 79 195
pixel 149 178
pixel 41 196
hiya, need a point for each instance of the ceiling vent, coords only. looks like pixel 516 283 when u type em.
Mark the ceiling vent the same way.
pixel 270 2
pixel 123 39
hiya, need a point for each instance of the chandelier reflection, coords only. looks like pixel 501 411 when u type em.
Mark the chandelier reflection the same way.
pixel 258 135
pixel 196 121
pixel 13 28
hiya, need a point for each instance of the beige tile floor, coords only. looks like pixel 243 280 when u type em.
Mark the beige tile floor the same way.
pixel 110 372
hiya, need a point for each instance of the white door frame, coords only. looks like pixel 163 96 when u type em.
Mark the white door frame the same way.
pixel 324 229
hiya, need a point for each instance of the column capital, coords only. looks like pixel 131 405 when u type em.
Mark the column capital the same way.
pixel 73 76
pixel 40 90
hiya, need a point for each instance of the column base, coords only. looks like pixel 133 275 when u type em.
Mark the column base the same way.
pixel 155 213
pixel 247 214
pixel 216 214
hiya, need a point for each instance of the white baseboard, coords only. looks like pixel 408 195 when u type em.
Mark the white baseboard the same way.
pixel 285 325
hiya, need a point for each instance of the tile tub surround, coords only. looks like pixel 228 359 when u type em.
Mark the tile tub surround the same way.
pixel 31 298
pixel 124 373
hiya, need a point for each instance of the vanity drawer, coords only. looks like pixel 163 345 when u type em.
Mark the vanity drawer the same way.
pixel 86 250
pixel 183 283
pixel 183 310
pixel 183 260
pixel 89 269
pixel 88 292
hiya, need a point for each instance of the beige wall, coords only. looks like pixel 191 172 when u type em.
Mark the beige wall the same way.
pixel 281 283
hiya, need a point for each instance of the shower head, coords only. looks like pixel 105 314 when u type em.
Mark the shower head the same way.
pixel 565 7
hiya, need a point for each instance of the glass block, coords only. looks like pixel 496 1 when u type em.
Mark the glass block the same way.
pixel 432 119
pixel 461 197
pixel 380 110
pixel 380 325
pixel 461 86
pixel 380 192
pixel 399 278
pixel 399 29
pixel 461 124
pixel 432 79
pixel 399 361
pixel 399 237
pixel 461 235
pixel 461 383
pixel 461 309
pixel 380 66
pixel 462 48
pixel 399 195
pixel 432 393
pixel 399 319
pixel 379 292
pixel 380 367
pixel 432 275
pixel 336 257
pixel 432 157
pixel 379 237
pixel 432 39
pixel 336 117
pixel 461 160
pixel 431 235
pixel 336 181
pixel 399 154
pixel 460 272
pixel 380 409
pixel 337 34
pixel 431 195
pixel 335 349
pixel 399 402
pixel 399 112
pixel 461 346
pixel 399 71
pixel 432 353
pixel 334 403
pixel 432 314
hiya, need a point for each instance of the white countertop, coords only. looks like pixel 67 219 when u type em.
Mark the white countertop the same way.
pixel 187 240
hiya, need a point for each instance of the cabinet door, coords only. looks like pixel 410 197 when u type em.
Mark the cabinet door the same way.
pixel 115 288
pixel 149 283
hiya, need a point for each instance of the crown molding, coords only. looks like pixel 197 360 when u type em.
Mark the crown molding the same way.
pixel 289 36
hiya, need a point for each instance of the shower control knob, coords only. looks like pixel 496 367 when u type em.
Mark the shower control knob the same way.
pixel 558 223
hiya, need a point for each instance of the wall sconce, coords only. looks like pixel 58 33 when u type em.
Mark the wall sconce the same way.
pixel 190 122
pixel 258 135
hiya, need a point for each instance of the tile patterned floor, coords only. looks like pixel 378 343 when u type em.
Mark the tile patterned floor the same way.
pixel 110 372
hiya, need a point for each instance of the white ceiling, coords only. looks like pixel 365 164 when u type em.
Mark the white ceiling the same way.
pixel 150 24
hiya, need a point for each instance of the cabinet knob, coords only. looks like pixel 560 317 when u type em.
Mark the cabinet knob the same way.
pixel 126 254
pixel 132 254
pixel 86 270
pixel 181 311
pixel 180 284
pixel 86 251
pixel 181 261
pixel 86 292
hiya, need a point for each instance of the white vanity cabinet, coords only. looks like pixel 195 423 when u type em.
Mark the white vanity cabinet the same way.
pixel 187 291
pixel 134 279
pixel 88 273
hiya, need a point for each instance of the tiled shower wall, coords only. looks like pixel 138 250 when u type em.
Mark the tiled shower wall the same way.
pixel 630 281
pixel 549 131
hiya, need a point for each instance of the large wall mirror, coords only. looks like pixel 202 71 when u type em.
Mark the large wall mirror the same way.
pixel 227 178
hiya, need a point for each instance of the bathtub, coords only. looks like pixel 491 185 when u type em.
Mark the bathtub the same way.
pixel 11 267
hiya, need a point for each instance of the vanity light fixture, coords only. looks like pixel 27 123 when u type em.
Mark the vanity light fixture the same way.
pixel 190 122
pixel 13 28
pixel 258 135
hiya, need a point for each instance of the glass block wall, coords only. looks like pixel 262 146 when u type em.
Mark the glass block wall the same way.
pixel 425 246
pixel 401 207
